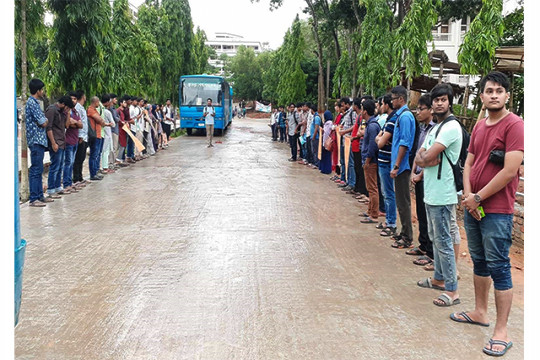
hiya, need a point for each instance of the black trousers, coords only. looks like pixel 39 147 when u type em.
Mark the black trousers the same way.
pixel 80 156
pixel 360 185
pixel 423 238
pixel 275 131
pixel 293 141
pixel 282 134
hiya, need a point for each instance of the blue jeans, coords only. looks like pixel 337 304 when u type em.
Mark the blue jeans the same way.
pixel 387 187
pixel 54 182
pixel 342 161
pixel 35 173
pixel 439 220
pixel 130 147
pixel 315 152
pixel 69 160
pixel 351 181
pixel 489 243
pixel 93 162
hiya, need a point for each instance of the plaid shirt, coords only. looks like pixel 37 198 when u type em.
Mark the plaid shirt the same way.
pixel 35 133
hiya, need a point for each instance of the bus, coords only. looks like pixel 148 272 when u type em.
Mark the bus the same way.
pixel 194 91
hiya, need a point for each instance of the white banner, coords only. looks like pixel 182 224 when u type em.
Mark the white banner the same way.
pixel 263 108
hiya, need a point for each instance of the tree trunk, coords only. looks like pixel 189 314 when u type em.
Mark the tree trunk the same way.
pixel 24 191
pixel 321 93
pixel 334 30
pixel 466 98
pixel 327 80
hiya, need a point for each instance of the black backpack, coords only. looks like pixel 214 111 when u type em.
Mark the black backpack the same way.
pixel 457 168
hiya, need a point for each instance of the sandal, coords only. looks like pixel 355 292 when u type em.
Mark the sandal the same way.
pixel 402 244
pixel 446 300
pixel 388 231
pixel 416 252
pixel 380 226
pixel 422 260
pixel 368 220
pixel 429 267
pixel 426 283
pixel 491 352
pixel 466 319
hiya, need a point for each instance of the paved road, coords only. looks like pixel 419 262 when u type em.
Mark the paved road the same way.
pixel 228 253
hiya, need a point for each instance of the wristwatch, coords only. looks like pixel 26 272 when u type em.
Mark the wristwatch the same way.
pixel 396 167
pixel 477 198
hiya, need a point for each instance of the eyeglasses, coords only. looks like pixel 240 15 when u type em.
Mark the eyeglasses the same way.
pixel 418 109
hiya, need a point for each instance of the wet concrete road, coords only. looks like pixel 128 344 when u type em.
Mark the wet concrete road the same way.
pixel 228 253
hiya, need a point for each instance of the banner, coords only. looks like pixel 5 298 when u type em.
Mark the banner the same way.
pixel 347 149
pixel 138 144
pixel 263 108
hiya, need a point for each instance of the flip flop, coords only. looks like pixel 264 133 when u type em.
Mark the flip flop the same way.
pixel 416 252
pixel 467 320
pixel 368 221
pixel 422 260
pixel 491 352
pixel 426 283
pixel 447 300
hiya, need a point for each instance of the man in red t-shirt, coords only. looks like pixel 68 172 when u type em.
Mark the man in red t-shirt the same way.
pixel 492 185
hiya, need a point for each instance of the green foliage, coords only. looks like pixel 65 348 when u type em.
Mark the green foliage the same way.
pixel 450 10
pixel 246 74
pixel 200 52
pixel 477 52
pixel 343 79
pixel 292 80
pixel 377 42
pixel 36 39
pixel 513 28
pixel 412 36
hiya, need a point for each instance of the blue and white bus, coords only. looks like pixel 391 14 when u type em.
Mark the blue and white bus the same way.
pixel 194 92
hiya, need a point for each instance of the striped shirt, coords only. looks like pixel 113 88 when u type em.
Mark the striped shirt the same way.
pixel 385 153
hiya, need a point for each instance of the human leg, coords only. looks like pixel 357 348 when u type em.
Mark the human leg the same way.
pixel 294 150
pixel 35 172
pixel 54 170
pixel 351 181
pixel 387 185
pixel 423 238
pixel 80 156
pixel 370 174
pixel 403 202
pixel 69 159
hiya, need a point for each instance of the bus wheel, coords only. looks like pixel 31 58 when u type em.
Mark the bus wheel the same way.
pixel 189 131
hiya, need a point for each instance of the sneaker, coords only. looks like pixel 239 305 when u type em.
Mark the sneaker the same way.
pixel 292 160
pixel 347 188
pixel 343 184
pixel 37 203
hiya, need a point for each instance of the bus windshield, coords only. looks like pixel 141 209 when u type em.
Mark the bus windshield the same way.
pixel 196 91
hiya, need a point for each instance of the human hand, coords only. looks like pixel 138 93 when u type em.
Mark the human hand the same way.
pixel 468 202
pixel 55 147
pixel 416 178
pixel 394 173
pixel 476 214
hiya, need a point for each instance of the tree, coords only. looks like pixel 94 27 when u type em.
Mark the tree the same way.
pixel 513 34
pixel 377 42
pixel 246 74
pixel 81 44
pixel 449 10
pixel 200 52
pixel 411 39
pixel 28 28
pixel 477 52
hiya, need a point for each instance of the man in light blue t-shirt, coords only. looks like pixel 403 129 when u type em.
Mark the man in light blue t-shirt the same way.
pixel 441 146
pixel 209 113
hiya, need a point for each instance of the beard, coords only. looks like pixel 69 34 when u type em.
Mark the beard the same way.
pixel 495 109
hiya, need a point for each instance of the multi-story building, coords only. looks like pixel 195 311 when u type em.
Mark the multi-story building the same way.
pixel 448 36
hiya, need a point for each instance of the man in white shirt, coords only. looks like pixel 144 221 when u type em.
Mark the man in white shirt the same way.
pixel 134 115
pixel 208 113
pixel 168 122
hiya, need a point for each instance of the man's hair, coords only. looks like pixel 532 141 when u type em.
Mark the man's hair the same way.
pixel 369 106
pixel 425 100
pixel 105 98
pixel 140 99
pixel 496 77
pixel 366 97
pixel 379 100
pixel 345 100
pixel 134 98
pixel 400 91
pixel 441 90
pixel 80 94
pixel 209 99
pixel 357 102
pixel 280 107
pixel 387 99
pixel 35 85
pixel 94 99
pixel 312 107
pixel 167 100
pixel 113 96
pixel 308 104
pixel 66 100
pixel 299 105
pixel 72 94
pixel 292 104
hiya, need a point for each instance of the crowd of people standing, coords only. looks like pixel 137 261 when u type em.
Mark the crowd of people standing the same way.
pixel 108 130
pixel 378 149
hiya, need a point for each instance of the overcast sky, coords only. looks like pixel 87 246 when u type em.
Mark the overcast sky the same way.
pixel 253 21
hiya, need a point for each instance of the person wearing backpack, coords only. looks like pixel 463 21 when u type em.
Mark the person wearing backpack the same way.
pixel 490 179
pixel 293 124
pixel 442 146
